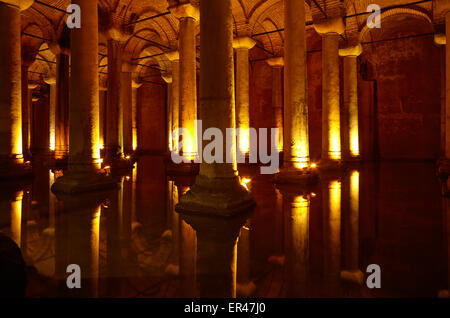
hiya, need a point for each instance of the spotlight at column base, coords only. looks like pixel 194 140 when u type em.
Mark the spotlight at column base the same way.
pixel 223 197
pixel 14 168
pixel 79 182
pixel 305 176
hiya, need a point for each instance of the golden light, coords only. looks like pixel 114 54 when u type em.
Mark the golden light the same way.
pixel 335 142
pixel 354 191
pixel 128 157
pixel 95 243
pixel 101 146
pixel 244 140
pixel 313 194
pixel 335 200
pixel 245 181
pixel 354 141
pixel 16 218
pixel 313 165
pixel 189 144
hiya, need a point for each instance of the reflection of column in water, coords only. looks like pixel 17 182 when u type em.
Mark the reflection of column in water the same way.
pixel 445 293
pixel 133 196
pixel 174 226
pixel 297 244
pixel 216 253
pixel 16 217
pixel 332 237
pixel 351 271
pixel 245 286
pixel 187 251
pixel 126 212
pixel 79 216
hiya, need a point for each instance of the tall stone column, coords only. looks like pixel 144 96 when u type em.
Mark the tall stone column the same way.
pixel 330 30
pixel 51 81
pixel 350 147
pixel 127 98
pixel 167 77
pixel 174 58
pixel 242 45
pixel 447 87
pixel 217 189
pixel 11 155
pixel 277 64
pixel 134 104
pixel 84 172
pixel 26 111
pixel 296 137
pixel 114 109
pixel 441 40
pixel 62 106
pixel 188 15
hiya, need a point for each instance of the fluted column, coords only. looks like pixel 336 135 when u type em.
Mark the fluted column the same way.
pixel 331 124
pixel 174 59
pixel 350 147
pixel 188 15
pixel 114 109
pixel 11 155
pixel 217 189
pixel 242 45
pixel 277 64
pixel 84 152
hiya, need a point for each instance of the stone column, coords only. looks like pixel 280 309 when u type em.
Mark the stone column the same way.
pixel 26 111
pixel 447 88
pixel 114 109
pixel 331 125
pixel 62 107
pixel 84 151
pixel 51 81
pixel 127 101
pixel 11 155
pixel 188 15
pixel 277 64
pixel 134 103
pixel 242 45
pixel 167 77
pixel 440 39
pixel 174 58
pixel 217 189
pixel 350 147
pixel 296 137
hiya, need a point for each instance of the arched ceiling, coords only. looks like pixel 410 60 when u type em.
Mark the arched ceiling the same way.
pixel 148 29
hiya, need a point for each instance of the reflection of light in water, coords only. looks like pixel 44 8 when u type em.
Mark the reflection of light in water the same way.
pixel 354 192
pixel 16 217
pixel 95 247
pixel 245 181
pixel 335 200
pixel 333 237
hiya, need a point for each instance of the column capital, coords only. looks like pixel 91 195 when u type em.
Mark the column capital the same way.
pixel 32 86
pixel 135 84
pixel 243 42
pixel 355 50
pixel 330 25
pixel 186 10
pixel 50 80
pixel 167 77
pixel 440 39
pixel 276 61
pixel 173 56
pixel 21 4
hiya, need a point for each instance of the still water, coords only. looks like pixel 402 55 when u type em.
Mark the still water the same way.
pixel 297 242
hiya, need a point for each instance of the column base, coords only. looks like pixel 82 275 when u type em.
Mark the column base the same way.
pixel 12 169
pixel 223 197
pixel 182 169
pixel 79 182
pixel 443 167
pixel 326 165
pixel 353 276
pixel 295 176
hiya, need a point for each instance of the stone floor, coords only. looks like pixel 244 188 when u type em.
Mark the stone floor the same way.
pixel 316 243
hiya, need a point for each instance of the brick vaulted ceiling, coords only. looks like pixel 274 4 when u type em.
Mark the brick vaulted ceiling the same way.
pixel 43 25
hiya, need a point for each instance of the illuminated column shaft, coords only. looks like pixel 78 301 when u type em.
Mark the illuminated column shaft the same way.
pixel 277 96
pixel 114 111
pixel 169 109
pixel 10 84
pixel 51 113
pixel 127 95
pixel 331 136
pixel 134 102
pixel 242 46
pixel 174 57
pixel 188 15
pixel 350 147
pixel 296 144
pixel 84 87
pixel 447 86
pixel 26 131
pixel 62 107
